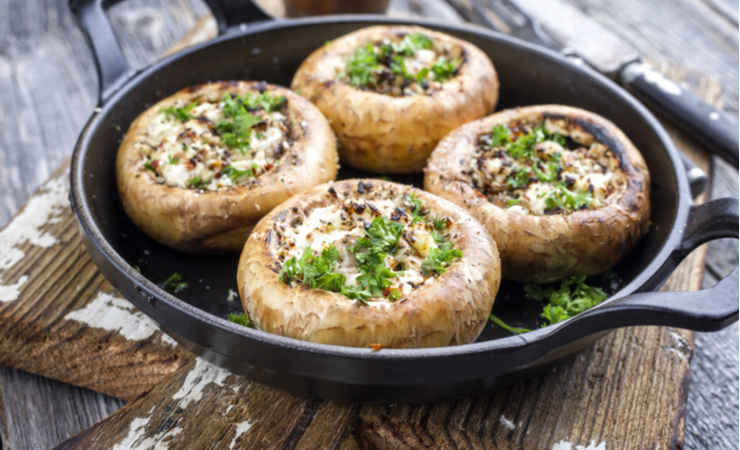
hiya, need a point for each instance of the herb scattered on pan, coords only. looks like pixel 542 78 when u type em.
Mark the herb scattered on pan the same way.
pixel 175 283
pixel 512 330
pixel 383 66
pixel 573 297
pixel 240 319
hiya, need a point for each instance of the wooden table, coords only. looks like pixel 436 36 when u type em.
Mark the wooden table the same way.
pixel 627 391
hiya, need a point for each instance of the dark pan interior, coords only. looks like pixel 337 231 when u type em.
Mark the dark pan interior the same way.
pixel 526 78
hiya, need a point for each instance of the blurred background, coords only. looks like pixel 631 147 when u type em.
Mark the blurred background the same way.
pixel 48 89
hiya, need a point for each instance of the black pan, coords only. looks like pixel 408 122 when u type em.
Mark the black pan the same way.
pixel 272 50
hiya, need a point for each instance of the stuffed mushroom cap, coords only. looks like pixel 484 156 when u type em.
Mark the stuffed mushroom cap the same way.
pixel 389 105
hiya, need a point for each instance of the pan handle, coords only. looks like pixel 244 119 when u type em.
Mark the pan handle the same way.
pixel 113 70
pixel 112 67
pixel 235 13
pixel 706 310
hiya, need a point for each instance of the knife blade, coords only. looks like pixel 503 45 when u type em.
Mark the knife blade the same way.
pixel 561 27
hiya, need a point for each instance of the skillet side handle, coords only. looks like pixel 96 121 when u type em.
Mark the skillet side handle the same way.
pixel 235 13
pixel 113 70
pixel 706 310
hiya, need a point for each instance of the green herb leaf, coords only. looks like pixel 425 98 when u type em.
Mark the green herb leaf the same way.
pixel 518 179
pixel 173 160
pixel 514 201
pixel 565 198
pixel 415 207
pixel 412 43
pixel 175 283
pixel 500 136
pixel 235 174
pixel 440 223
pixel 240 319
pixel 181 114
pixel 558 139
pixel 421 75
pixel 398 66
pixel 361 67
pixel 443 69
pixel 573 297
pixel 439 258
pixel 382 236
pixel 508 328
pixel 195 183
pixel 148 165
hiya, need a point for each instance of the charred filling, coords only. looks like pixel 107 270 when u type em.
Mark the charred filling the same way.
pixel 365 248
pixel 209 146
pixel 403 65
pixel 546 167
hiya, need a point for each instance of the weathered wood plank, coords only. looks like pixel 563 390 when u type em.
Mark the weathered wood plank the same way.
pixel 60 317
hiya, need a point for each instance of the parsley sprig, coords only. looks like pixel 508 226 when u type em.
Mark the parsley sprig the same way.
pixel 236 129
pixel 236 174
pixel 175 283
pixel 240 319
pixel 439 258
pixel 573 297
pixel 381 239
pixel 182 114
pixel 523 147
pixel 364 66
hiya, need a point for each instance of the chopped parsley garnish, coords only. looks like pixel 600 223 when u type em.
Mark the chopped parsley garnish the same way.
pixel 235 174
pixel 173 160
pixel 412 43
pixel 382 236
pixel 443 69
pixel 361 66
pixel 439 258
pixel 416 209
pixel 365 67
pixel 175 283
pixel 562 197
pixel 240 319
pixel 440 223
pixel 500 136
pixel 510 329
pixel 195 183
pixel 181 114
pixel 236 133
pixel 148 165
pixel 381 239
pixel 519 178
pixel 573 297
pixel 318 272
pixel 523 147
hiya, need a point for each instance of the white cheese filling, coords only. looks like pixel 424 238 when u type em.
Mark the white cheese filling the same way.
pixel 343 224
pixel 583 170
pixel 191 154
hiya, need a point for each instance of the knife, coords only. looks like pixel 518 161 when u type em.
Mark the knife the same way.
pixel 561 27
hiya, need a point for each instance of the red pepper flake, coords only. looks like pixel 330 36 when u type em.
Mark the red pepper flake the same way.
pixel 376 347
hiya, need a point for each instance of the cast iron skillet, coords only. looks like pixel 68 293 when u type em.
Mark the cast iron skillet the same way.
pixel 272 50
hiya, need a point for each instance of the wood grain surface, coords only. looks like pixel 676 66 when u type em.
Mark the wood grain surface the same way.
pixel 473 423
